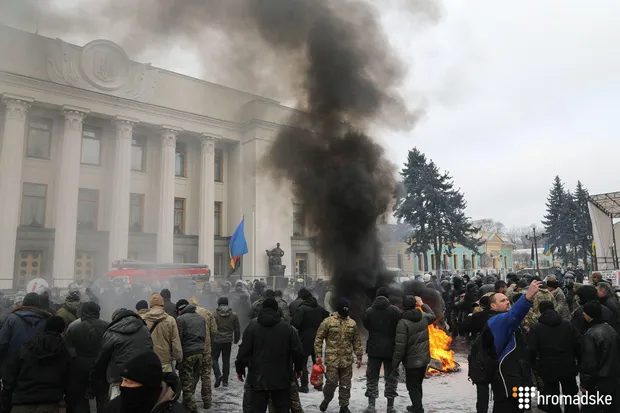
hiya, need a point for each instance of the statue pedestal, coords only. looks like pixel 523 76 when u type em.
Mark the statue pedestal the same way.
pixel 277 270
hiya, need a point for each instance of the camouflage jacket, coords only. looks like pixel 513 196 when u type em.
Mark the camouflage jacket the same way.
pixel 342 339
pixel 532 316
pixel 561 304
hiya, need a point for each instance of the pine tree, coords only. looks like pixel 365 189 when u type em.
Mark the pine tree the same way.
pixel 569 214
pixel 553 220
pixel 434 210
pixel 583 223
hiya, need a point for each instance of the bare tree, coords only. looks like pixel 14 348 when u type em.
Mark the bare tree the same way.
pixel 490 225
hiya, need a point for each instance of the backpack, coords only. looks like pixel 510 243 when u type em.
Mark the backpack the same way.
pixel 482 361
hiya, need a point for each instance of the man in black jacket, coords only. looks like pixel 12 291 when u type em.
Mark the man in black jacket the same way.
pixel 271 349
pixel 145 389
pixel 553 345
pixel 169 306
pixel 83 339
pixel 600 360
pixel 586 294
pixel 302 294
pixel 380 320
pixel 607 297
pixel 412 347
pixel 125 338
pixel 308 317
pixel 37 378
pixel 228 332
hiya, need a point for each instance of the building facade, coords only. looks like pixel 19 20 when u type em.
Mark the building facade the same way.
pixel 103 158
pixel 495 255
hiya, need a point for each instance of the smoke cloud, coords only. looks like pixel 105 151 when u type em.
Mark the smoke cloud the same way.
pixel 330 56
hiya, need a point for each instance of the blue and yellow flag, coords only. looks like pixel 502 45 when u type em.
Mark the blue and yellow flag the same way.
pixel 238 245
pixel 547 250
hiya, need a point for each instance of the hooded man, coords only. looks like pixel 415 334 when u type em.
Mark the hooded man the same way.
pixel 164 333
pixel 228 332
pixel 36 379
pixel 600 361
pixel 145 389
pixel 125 338
pixel 272 351
pixel 69 310
pixel 412 347
pixel 22 325
pixel 193 331
pixel 169 306
pixel 380 320
pixel 342 340
pixel 83 339
pixel 302 295
pixel 553 345
pixel 308 317
pixel 239 301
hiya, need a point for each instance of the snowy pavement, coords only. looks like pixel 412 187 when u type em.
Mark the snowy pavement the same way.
pixel 443 393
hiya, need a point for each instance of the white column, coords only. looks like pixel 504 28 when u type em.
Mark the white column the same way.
pixel 121 187
pixel 11 156
pixel 67 197
pixel 206 237
pixel 165 229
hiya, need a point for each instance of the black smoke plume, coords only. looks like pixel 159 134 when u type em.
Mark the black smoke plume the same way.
pixel 333 58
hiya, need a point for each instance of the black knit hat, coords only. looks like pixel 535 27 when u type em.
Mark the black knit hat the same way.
pixel 593 309
pixel 270 303
pixel 382 292
pixel 545 305
pixel 142 305
pixel 55 324
pixel 145 369
pixel 31 300
pixel 181 304
pixel 222 301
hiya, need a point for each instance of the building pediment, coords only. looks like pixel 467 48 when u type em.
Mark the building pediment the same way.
pixel 100 66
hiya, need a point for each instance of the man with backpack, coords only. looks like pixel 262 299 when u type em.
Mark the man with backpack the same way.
pixel 164 332
pixel 504 342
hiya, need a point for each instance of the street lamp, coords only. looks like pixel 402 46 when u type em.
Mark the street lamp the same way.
pixel 535 239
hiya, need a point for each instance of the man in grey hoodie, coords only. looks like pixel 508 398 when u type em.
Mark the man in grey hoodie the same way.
pixel 228 332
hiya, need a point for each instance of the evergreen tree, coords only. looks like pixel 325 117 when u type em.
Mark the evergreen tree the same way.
pixel 434 210
pixel 570 212
pixel 554 226
pixel 583 224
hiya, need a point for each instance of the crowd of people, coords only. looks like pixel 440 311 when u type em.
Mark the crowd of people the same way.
pixel 150 356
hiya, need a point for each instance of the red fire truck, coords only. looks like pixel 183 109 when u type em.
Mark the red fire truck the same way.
pixel 148 272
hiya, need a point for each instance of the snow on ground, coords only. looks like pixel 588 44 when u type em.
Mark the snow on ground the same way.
pixel 444 393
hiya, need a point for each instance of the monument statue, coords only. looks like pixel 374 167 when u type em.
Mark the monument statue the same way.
pixel 276 269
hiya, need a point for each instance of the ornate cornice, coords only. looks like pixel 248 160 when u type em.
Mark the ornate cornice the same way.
pixel 74 117
pixel 16 106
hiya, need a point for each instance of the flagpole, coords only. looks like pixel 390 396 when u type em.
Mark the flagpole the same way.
pixel 253 241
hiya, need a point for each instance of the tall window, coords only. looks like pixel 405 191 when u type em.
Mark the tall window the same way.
pixel 433 263
pixel 39 138
pixel 219 166
pixel 138 153
pixel 399 260
pixel 180 167
pixel 217 216
pixel 28 267
pixel 179 215
pixel 33 205
pixel 299 229
pixel 219 264
pixel 455 261
pixel 91 145
pixel 136 212
pixel 84 265
pixel 301 263
pixel 473 261
pixel 421 262
pixel 88 208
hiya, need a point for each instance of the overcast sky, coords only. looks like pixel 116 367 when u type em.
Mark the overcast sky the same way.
pixel 516 93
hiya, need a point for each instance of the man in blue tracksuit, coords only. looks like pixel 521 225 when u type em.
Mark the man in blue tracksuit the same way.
pixel 509 346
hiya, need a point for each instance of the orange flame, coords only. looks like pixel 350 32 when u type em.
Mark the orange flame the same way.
pixel 440 349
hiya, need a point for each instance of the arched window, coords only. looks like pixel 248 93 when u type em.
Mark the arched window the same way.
pixel 455 261
pixel 420 262
pixel 473 261
pixel 433 266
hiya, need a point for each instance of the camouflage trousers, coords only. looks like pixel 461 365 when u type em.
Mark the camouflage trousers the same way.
pixel 295 402
pixel 194 368
pixel 338 377
pixel 373 370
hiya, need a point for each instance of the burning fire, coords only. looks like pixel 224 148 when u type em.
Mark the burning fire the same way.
pixel 440 350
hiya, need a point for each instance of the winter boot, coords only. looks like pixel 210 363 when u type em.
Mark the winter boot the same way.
pixel 371 406
pixel 218 381
pixel 318 388
pixel 225 382
pixel 304 388
pixel 323 405
pixel 345 409
pixel 390 406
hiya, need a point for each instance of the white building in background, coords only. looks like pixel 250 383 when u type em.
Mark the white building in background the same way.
pixel 103 158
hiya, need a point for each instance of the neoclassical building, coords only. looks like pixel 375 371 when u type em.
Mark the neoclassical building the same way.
pixel 103 158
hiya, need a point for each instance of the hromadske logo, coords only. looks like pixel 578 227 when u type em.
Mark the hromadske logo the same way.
pixel 524 396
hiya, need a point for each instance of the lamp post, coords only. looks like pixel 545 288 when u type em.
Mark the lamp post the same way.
pixel 535 238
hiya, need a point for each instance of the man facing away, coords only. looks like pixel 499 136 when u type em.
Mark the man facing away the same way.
pixel 380 320
pixel 342 340
pixel 164 332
